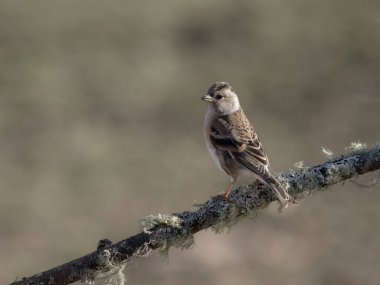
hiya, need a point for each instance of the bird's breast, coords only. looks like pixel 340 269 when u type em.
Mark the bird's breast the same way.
pixel 210 116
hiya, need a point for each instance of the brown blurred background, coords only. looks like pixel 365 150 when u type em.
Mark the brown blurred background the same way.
pixel 101 118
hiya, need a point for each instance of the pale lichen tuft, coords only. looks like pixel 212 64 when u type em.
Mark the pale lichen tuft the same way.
pixel 355 147
pixel 168 232
pixel 152 221
pixel 299 165
pixel 110 274
pixel 329 154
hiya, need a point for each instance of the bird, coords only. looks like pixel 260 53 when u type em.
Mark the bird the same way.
pixel 233 142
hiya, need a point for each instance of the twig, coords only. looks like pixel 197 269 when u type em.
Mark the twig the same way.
pixel 163 231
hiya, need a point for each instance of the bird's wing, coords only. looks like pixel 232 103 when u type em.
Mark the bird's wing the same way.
pixel 254 158
pixel 225 137
pixel 235 134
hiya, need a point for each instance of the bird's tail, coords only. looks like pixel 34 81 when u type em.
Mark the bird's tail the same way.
pixel 282 195
pixel 280 192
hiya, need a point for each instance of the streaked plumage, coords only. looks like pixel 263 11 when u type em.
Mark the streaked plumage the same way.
pixel 233 142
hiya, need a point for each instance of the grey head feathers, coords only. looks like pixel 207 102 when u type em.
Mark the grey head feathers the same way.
pixel 218 87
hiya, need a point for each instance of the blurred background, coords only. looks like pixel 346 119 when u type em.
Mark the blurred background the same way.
pixel 101 124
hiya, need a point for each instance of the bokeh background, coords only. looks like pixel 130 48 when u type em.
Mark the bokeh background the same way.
pixel 101 118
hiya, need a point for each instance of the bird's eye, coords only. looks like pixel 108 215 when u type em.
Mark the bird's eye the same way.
pixel 218 97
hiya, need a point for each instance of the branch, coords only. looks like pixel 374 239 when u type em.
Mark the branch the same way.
pixel 163 231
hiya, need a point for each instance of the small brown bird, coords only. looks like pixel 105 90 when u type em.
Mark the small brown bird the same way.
pixel 233 142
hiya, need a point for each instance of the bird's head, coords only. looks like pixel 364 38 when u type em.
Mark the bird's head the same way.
pixel 222 98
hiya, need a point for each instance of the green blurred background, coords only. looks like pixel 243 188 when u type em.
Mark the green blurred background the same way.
pixel 101 118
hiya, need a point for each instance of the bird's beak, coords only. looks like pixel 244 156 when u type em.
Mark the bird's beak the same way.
pixel 207 98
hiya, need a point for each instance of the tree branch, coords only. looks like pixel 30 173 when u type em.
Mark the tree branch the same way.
pixel 163 231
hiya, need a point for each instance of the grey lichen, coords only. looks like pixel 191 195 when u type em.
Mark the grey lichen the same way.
pixel 244 203
pixel 335 170
pixel 227 218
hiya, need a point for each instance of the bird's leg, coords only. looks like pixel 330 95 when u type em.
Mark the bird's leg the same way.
pixel 227 193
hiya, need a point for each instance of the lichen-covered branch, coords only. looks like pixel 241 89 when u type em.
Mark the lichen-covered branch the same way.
pixel 163 231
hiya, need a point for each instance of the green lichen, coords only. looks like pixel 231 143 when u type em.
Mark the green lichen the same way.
pixel 167 231
pixel 110 274
pixel 152 221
